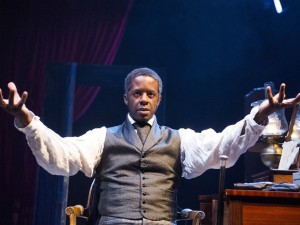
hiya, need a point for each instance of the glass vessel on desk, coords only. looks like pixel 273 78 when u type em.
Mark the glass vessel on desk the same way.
pixel 296 127
pixel 277 126
pixel 273 134
pixel 295 136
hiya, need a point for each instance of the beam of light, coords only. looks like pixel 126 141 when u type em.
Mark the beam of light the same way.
pixel 278 6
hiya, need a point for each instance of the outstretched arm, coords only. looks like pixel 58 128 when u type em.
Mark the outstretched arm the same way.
pixel 274 103
pixel 15 105
pixel 201 151
pixel 56 154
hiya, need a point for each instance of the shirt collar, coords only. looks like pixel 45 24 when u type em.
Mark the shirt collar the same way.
pixel 132 121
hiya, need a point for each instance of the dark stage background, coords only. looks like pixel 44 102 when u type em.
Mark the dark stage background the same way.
pixel 214 52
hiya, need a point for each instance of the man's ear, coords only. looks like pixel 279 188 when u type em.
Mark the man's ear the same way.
pixel 125 99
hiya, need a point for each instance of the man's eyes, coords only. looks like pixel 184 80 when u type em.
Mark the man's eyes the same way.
pixel 138 93
pixel 151 95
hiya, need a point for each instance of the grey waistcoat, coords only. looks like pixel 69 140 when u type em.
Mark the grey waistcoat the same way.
pixel 139 181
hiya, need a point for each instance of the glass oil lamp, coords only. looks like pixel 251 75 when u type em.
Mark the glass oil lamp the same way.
pixel 273 134
pixel 295 136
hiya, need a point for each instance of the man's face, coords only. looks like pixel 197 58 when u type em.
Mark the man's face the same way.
pixel 143 98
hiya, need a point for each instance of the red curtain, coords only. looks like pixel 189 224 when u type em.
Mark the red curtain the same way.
pixel 34 33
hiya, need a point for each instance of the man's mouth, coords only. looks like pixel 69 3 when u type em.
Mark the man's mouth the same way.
pixel 143 109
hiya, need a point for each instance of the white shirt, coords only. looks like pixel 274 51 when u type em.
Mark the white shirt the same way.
pixel 199 151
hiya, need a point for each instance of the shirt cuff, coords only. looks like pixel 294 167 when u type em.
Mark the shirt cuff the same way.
pixel 30 127
pixel 251 121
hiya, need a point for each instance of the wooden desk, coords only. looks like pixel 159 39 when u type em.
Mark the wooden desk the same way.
pixel 244 207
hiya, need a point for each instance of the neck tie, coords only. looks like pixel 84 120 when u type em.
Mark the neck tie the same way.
pixel 143 130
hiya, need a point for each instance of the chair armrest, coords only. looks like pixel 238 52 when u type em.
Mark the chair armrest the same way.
pixel 73 212
pixel 197 216
pixel 188 214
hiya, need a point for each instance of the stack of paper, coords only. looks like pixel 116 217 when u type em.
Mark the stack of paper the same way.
pixel 289 154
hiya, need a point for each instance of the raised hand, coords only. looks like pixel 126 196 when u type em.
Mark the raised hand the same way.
pixel 275 103
pixel 15 105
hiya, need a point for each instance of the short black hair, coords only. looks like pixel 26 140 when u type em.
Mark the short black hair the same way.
pixel 142 72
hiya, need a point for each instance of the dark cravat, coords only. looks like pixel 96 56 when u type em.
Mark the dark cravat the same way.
pixel 143 130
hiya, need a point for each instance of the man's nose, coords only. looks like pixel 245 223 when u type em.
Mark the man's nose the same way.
pixel 144 98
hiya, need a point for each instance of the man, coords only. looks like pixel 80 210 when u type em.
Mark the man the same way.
pixel 139 175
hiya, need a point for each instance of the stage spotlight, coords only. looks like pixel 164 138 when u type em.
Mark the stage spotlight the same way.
pixel 278 6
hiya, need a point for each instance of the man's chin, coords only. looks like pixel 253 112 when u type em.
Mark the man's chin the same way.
pixel 143 118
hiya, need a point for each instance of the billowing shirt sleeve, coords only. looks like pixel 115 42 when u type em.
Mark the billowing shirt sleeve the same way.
pixel 201 151
pixel 64 156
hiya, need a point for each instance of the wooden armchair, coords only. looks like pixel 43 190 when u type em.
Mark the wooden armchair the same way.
pixel 90 212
